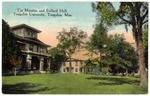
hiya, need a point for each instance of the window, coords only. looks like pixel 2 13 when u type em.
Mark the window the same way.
pixel 28 32
pixel 19 32
pixel 64 69
pixel 76 63
pixel 16 32
pixel 37 49
pixel 67 69
pixel 76 69
pixel 41 50
pixel 31 47
pixel 32 34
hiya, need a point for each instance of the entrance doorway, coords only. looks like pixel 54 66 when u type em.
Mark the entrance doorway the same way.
pixel 35 63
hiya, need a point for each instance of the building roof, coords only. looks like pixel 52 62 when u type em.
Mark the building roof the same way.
pixel 84 55
pixel 31 39
pixel 25 26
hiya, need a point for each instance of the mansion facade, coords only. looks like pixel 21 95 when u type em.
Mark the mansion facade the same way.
pixel 35 58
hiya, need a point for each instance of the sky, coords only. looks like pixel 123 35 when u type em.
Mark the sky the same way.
pixel 69 14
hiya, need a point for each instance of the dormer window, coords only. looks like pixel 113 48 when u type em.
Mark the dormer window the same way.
pixel 17 32
pixel 25 30
pixel 30 33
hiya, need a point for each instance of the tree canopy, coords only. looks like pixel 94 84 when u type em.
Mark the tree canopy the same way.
pixel 58 56
pixel 71 41
pixel 98 41
pixel 128 13
pixel 121 54
pixel 10 48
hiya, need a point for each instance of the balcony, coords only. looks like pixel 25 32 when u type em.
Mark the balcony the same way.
pixel 35 53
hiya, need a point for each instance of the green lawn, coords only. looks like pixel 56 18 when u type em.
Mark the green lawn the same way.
pixel 70 84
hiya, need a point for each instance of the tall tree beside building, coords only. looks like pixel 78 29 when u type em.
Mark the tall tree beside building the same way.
pixel 10 48
pixel 57 57
pixel 129 13
pixel 98 41
pixel 71 41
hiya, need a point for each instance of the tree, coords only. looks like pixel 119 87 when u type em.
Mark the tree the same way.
pixel 98 41
pixel 88 66
pixel 16 64
pixel 129 13
pixel 71 41
pixel 10 47
pixel 145 41
pixel 120 55
pixel 57 57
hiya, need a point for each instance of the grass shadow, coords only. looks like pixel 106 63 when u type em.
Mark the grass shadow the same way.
pixel 23 88
pixel 114 81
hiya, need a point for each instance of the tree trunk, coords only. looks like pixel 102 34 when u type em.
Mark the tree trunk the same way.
pixel 137 30
pixel 91 69
pixel 70 64
pixel 101 69
pixel 141 62
pixel 126 72
pixel 140 51
pixel 15 71
pixel 59 67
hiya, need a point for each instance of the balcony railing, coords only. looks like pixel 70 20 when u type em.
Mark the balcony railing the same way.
pixel 33 52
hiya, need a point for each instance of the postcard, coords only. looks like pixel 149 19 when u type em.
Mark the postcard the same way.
pixel 74 47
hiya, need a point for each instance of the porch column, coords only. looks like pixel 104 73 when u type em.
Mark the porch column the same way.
pixel 29 59
pixel 41 63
